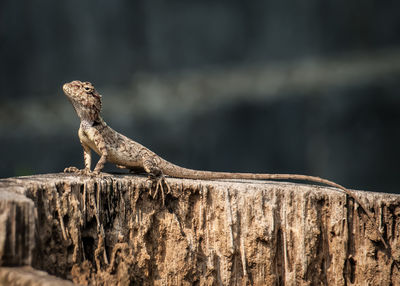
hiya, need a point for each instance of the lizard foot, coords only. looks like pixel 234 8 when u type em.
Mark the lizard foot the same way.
pixel 79 171
pixel 159 181
pixel 73 170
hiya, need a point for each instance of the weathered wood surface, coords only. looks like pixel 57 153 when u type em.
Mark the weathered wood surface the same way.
pixel 109 230
pixel 27 276
pixel 17 228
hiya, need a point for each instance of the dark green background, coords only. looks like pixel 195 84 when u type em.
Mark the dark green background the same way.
pixel 345 129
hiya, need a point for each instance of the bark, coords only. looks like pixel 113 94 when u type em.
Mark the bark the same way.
pixel 110 231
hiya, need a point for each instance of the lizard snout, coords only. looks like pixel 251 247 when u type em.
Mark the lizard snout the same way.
pixel 65 87
pixel 69 87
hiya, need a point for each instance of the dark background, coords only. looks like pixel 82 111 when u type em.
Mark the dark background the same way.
pixel 306 87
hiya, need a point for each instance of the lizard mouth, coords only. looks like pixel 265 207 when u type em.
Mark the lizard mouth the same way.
pixel 65 88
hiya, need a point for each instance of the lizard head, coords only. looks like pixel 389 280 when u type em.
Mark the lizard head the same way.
pixel 85 99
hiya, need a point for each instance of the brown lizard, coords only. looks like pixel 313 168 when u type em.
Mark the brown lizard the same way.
pixel 113 147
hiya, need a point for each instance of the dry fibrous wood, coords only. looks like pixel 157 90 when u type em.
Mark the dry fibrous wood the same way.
pixel 109 230
pixel 17 226
pixel 27 276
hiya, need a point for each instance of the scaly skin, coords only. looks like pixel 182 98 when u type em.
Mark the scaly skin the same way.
pixel 95 134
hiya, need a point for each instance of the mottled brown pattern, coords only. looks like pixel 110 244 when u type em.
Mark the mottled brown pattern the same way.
pixel 118 149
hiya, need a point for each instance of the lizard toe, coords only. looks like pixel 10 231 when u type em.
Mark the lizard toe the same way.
pixel 71 170
pixel 75 170
pixel 158 185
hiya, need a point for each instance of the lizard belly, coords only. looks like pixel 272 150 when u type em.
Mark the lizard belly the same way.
pixel 120 156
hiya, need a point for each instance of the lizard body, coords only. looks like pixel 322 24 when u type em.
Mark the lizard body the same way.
pixel 113 147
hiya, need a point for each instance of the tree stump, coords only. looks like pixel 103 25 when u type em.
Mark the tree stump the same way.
pixel 108 230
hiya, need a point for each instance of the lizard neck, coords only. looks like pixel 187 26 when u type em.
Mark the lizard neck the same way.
pixel 86 122
pixel 86 112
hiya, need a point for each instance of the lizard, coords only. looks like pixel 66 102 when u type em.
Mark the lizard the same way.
pixel 113 147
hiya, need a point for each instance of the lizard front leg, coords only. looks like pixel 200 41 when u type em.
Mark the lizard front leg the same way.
pixel 87 157
pixel 94 136
pixel 101 146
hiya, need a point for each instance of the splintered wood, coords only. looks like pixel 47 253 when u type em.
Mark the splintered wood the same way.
pixel 109 230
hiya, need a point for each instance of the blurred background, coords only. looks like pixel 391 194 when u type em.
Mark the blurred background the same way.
pixel 309 87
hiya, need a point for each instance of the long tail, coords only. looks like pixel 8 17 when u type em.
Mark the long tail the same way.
pixel 177 171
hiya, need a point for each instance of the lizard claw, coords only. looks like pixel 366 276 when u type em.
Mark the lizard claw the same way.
pixel 159 181
pixel 71 170
pixel 79 171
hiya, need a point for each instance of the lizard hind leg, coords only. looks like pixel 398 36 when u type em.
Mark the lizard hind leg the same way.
pixel 158 183
pixel 157 178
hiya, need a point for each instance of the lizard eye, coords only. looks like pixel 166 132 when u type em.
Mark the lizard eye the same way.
pixel 86 88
